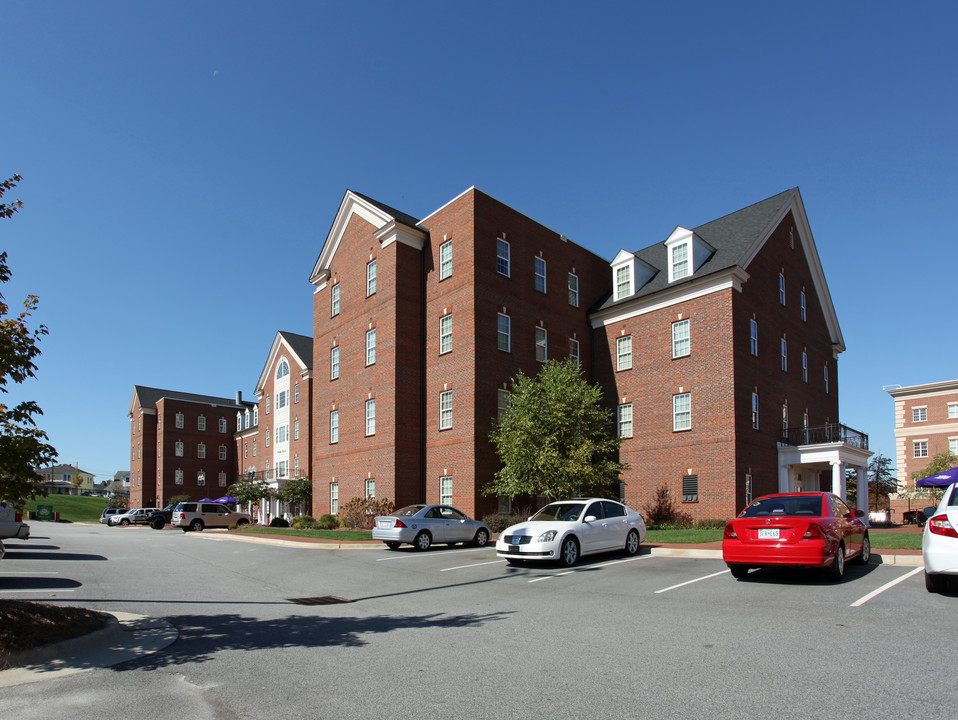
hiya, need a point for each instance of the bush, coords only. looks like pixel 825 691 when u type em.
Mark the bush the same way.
pixel 711 523
pixel 328 522
pixel 304 522
pixel 360 513
pixel 498 522
pixel 662 511
pixel 279 522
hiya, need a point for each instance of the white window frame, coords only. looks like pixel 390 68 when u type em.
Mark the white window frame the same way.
pixel 445 260
pixel 781 289
pixel 201 423
pixel 574 350
pixel 623 353
pixel 507 334
pixel 804 366
pixel 919 414
pixel 445 334
pixel 201 478
pixel 542 344
pixel 682 412
pixel 222 479
pixel 178 448
pixel 371 278
pixel 624 421
pixel 223 425
pixel 180 420
pixel 333 427
pixel 445 410
pixel 681 338
pixel 370 488
pixel 573 290
pixel 503 257
pixel 502 402
pixel 334 498
pixel 177 477
pixel 920 449
pixel 371 347
pixel 445 490
pixel 370 427
pixel 334 300
pixel 784 346
pixel 296 430
pixel 623 282
pixel 334 363
pixel 804 307
pixel 952 411
pixel 222 452
pixel 753 337
pixel 755 411
pixel 540 274
pixel 679 266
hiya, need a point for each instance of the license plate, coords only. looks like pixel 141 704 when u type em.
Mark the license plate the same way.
pixel 513 548
pixel 768 534
pixel 384 524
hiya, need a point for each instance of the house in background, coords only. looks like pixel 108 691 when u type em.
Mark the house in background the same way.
pixel 59 480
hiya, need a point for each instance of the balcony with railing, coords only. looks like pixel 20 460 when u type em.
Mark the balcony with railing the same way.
pixel 823 434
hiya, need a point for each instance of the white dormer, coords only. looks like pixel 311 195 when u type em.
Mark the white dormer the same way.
pixel 629 275
pixel 686 253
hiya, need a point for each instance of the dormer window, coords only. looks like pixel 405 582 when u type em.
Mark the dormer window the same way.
pixel 679 265
pixel 623 282
pixel 686 253
pixel 629 275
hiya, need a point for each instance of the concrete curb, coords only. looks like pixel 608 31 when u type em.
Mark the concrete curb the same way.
pixel 126 637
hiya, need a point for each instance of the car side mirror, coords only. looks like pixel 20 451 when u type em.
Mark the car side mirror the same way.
pixel 590 518
pixel 859 513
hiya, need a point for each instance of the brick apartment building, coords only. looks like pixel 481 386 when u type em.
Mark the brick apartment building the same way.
pixel 717 348
pixel 181 444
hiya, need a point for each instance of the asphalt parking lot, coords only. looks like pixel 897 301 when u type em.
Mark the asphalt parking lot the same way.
pixel 266 628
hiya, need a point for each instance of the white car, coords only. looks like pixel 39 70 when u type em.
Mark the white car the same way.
pixel 566 530
pixel 939 542
pixel 11 523
pixel 137 516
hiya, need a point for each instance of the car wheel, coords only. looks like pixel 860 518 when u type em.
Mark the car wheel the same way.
pixel 196 525
pixel 570 552
pixel 738 571
pixel 124 522
pixel 481 538
pixel 393 545
pixel 242 521
pixel 865 555
pixel 184 528
pixel 837 571
pixel 934 583
pixel 632 543
pixel 157 524
pixel 423 540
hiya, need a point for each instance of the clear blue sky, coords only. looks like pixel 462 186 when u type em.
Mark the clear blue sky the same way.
pixel 183 162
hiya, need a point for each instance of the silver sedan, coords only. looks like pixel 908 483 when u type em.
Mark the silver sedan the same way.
pixel 424 525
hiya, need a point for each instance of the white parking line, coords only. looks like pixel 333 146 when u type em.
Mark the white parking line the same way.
pixel 463 567
pixel 589 567
pixel 689 582
pixel 886 586
pixel 410 556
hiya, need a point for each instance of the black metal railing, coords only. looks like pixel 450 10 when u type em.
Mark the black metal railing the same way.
pixel 828 433
pixel 268 476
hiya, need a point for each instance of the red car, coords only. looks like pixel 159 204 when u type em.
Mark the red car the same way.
pixel 816 530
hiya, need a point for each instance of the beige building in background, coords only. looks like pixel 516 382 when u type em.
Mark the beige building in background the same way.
pixel 926 424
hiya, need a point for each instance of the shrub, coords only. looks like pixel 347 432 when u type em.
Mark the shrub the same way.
pixel 327 522
pixel 498 522
pixel 304 522
pixel 361 512
pixel 711 523
pixel 279 522
pixel 662 511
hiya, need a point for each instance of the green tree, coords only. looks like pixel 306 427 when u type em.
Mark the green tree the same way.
pixel 23 445
pixel 249 490
pixel 298 491
pixel 556 439
pixel 939 463
pixel 881 480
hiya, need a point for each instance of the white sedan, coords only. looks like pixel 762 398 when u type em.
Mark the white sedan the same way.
pixel 566 530
pixel 939 542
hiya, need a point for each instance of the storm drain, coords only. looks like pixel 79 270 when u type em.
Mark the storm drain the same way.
pixel 323 600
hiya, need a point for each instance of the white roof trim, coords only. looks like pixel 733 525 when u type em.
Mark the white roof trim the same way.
pixel 279 344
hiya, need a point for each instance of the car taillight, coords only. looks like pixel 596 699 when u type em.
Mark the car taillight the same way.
pixel 939 525
pixel 399 524
pixel 814 532
pixel 730 532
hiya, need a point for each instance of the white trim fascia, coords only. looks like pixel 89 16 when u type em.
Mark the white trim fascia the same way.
pixel 732 279
pixel 945 387
pixel 278 342
pixel 398 232
pixel 351 205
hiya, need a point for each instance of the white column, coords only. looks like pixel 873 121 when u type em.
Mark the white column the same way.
pixel 838 478
pixel 784 478
pixel 863 501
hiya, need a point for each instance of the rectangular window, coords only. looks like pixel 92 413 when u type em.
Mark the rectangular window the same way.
pixel 296 430
pixel 682 411
pixel 540 271
pixel 574 349
pixel 623 282
pixel 269 435
pixel 624 421
pixel 296 393
pixel 804 366
pixel 178 477
pixel 753 337
pixel 370 278
pixel 245 450
pixel 296 466
pixel 254 448
pixel 573 290
pixel 542 344
pixel 785 420
pixel 370 488
pixel 803 306
pixel 445 260
pixel 178 449
pixel 179 420
pixel 371 346
pixel 502 403
pixel 281 398
pixel 281 468
pixel 201 478
pixel 201 423
pixel 681 342
pixel 690 488
pixel 334 498
pixel 921 449
pixel 781 288
pixel 502 257
pixel 445 410
pixel 222 452
pixel 282 434
pixel 680 261
pixel 755 411
pixel 445 334
pixel 222 479
pixel 371 416
pixel 953 446
pixel 826 378
pixel 334 300
pixel 222 425
pixel 333 427
pixel 784 355
pixel 953 411
pixel 445 490
pixel 504 332
pixel 334 363
pixel 919 414
pixel 623 353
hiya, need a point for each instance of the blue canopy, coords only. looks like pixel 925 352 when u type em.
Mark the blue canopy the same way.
pixel 942 479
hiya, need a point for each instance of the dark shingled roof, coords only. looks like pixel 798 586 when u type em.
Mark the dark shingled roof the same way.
pixel 302 345
pixel 398 214
pixel 149 396
pixel 731 236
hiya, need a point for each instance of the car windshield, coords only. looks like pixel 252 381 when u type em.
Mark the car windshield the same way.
pixel 566 512
pixel 407 511
pixel 778 506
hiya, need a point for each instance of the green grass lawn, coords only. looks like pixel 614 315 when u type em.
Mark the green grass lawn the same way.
pixel 890 540
pixel 341 535
pixel 72 508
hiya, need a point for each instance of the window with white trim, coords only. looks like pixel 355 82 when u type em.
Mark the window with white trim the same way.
pixel 804 366
pixel 681 341
pixel 755 411
pixel 953 446
pixel 921 449
pixel 682 411
pixel 573 290
pixel 334 498
pixel 540 274
pixel 753 337
pixel 201 478
pixel 445 260
pixel 333 427
pixel 623 420
pixel 282 369
pixel 803 305
pixel 296 393
pixel 268 435
pixel 784 355
pixel 542 344
pixel 371 416
pixel 222 425
pixel 281 399
pixel 370 278
pixel 334 300
pixel 178 448
pixel 179 420
pixel 680 261
pixel 919 414
pixel 623 282
pixel 574 349
pixel 296 430
pixel 222 452
pixel 785 420
pixel 502 403
pixel 178 477
pixel 445 334
pixel 334 363
pixel 504 333
pixel 503 254
pixel 445 409
pixel 445 490
pixel 371 346
pixel 370 488
pixel 201 422
pixel 623 353
pixel 222 479
pixel 952 411
pixel 781 288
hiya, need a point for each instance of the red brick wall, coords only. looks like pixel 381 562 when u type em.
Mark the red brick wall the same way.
pixel 142 457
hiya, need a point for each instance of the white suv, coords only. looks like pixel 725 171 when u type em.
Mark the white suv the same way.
pixel 199 515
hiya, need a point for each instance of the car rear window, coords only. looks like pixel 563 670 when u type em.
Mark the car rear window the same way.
pixel 778 506
pixel 186 507
pixel 407 511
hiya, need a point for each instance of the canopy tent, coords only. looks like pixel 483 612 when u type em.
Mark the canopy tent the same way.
pixel 942 479
pixel 226 500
